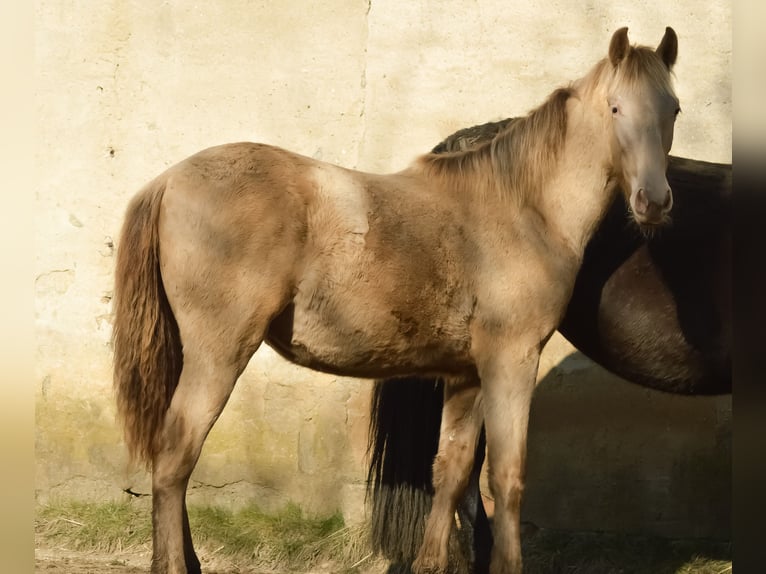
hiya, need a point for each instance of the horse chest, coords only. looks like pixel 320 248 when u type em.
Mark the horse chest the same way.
pixel 524 286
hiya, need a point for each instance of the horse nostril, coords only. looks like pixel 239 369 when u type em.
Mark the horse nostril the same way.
pixel 642 203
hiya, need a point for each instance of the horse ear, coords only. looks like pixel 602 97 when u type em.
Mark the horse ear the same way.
pixel 619 46
pixel 668 48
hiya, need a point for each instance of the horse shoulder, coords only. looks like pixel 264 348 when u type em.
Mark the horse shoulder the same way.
pixel 524 286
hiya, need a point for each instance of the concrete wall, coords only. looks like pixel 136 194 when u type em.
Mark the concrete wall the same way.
pixel 126 88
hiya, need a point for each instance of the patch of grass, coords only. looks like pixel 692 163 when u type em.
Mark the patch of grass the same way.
pixel 245 539
pixel 275 539
pixel 107 527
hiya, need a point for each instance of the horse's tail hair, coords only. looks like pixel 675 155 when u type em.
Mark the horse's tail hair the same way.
pixel 405 417
pixel 147 346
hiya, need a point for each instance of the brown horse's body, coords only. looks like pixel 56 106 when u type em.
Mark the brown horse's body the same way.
pixel 657 311
pixel 461 265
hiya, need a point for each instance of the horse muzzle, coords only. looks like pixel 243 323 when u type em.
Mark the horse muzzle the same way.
pixel 651 208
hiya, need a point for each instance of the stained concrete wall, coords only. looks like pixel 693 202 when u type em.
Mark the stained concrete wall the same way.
pixel 126 88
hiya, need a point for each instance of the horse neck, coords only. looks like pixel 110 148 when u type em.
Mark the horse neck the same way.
pixel 580 189
pixel 566 183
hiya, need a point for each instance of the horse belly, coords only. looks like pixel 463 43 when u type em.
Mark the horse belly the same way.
pixel 379 291
pixel 359 333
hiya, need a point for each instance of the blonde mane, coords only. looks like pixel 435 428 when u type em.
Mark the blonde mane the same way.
pixel 518 154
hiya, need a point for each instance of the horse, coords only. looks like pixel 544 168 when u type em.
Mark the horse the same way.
pixel 653 310
pixel 461 265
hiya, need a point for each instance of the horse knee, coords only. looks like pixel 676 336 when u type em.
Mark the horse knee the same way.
pixel 506 487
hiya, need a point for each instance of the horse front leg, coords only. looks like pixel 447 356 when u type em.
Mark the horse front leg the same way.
pixel 461 422
pixel 508 382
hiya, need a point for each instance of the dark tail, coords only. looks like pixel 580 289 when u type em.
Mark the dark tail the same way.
pixel 147 345
pixel 405 416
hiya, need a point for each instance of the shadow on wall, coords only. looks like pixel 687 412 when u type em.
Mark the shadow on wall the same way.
pixel 608 455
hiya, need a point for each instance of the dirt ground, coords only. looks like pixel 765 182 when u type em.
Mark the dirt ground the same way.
pixel 58 561
pixel 62 561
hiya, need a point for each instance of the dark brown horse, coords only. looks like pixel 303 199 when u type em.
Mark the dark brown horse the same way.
pixel 654 310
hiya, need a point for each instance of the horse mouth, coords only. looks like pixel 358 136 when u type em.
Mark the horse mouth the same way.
pixel 651 227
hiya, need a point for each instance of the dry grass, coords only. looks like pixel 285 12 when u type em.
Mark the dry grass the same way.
pixel 110 527
pixel 248 541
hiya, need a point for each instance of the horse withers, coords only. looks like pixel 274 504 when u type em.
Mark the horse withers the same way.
pixel 460 265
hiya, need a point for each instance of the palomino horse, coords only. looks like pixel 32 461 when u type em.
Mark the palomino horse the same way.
pixel 461 265
pixel 654 310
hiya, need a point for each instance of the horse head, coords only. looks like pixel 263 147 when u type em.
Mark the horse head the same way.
pixel 643 108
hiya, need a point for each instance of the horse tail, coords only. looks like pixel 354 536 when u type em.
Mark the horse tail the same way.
pixel 405 417
pixel 145 338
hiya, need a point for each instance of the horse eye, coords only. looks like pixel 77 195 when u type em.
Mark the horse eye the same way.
pixel 615 109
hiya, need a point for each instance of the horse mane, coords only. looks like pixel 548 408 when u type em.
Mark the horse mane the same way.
pixel 518 154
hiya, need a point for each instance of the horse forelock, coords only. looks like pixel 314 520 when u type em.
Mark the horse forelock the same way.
pixel 641 67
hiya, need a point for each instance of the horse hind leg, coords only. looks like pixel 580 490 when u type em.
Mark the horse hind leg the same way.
pixel 461 423
pixel 198 401
pixel 213 361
